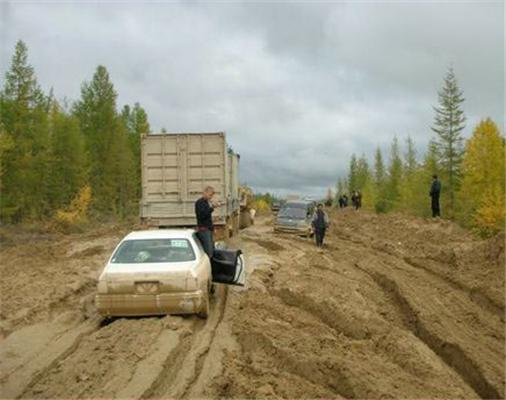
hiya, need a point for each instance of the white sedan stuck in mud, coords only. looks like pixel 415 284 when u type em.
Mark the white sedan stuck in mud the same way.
pixel 160 272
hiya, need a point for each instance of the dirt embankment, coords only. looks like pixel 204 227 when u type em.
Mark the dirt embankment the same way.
pixel 393 307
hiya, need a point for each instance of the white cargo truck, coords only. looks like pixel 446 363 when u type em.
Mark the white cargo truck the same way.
pixel 176 167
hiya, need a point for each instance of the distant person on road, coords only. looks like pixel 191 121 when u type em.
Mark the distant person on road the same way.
pixel 434 193
pixel 341 201
pixel 204 208
pixel 320 224
pixel 356 199
pixel 345 200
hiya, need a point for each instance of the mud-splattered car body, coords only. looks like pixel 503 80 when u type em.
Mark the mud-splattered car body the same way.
pixel 295 217
pixel 160 272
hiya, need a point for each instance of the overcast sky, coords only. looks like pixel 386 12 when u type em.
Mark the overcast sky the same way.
pixel 298 87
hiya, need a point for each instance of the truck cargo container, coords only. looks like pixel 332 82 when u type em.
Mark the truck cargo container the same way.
pixel 176 167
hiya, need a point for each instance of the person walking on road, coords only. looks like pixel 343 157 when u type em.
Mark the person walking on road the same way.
pixel 434 193
pixel 320 224
pixel 204 208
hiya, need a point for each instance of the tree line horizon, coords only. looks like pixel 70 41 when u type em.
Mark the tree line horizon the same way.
pixel 472 171
pixel 70 161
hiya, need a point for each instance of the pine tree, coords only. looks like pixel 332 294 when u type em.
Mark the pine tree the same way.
pixel 408 187
pixel 362 173
pixel 111 163
pixel 380 190
pixel 394 176
pixel 136 123
pixel 341 187
pixel 481 196
pixel 25 142
pixel 352 174
pixel 67 173
pixel 449 122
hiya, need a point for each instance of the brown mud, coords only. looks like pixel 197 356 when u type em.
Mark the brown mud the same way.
pixel 393 306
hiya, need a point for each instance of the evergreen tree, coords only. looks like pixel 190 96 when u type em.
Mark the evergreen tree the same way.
pixel 67 158
pixel 111 163
pixel 136 123
pixel 449 122
pixel 380 190
pixel 482 193
pixel 341 187
pixel 394 176
pixel 362 173
pixel 408 187
pixel 352 174
pixel 24 142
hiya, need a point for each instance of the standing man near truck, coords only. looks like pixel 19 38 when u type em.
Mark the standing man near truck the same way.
pixel 204 208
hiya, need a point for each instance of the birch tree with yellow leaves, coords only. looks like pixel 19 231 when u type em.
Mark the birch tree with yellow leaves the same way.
pixel 481 196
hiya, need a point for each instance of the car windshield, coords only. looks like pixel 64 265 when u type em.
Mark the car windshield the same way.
pixel 296 213
pixel 153 251
pixel 296 205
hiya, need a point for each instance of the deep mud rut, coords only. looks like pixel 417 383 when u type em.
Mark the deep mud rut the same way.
pixel 392 307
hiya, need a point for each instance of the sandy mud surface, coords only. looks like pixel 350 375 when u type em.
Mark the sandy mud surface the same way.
pixel 393 307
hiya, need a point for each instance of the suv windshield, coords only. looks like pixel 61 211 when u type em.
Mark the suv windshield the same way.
pixel 153 251
pixel 296 205
pixel 295 213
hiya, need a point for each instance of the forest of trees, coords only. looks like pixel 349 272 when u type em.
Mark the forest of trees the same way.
pixel 61 160
pixel 472 173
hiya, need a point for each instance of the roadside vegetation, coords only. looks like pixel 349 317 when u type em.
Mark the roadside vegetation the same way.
pixel 472 172
pixel 65 162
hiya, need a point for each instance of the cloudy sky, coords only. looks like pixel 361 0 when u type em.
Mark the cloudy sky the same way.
pixel 297 86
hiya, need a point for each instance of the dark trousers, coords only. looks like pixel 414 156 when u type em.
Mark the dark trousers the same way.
pixel 435 206
pixel 319 234
pixel 207 240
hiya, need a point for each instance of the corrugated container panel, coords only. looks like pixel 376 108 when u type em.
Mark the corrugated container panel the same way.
pixel 176 168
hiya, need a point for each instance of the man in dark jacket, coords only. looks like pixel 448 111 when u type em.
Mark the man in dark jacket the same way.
pixel 435 190
pixel 204 208
pixel 320 224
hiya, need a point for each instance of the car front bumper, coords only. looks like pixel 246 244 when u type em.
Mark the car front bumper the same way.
pixel 122 305
pixel 303 230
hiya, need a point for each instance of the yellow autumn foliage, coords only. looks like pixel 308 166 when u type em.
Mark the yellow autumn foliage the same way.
pixel 481 196
pixel 261 206
pixel 76 212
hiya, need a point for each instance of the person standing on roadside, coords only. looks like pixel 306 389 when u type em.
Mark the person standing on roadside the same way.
pixel 320 224
pixel 434 193
pixel 204 208
pixel 341 201
pixel 356 199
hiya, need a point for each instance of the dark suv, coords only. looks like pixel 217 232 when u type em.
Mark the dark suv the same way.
pixel 295 216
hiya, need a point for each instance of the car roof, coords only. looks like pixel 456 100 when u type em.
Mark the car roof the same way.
pixel 161 234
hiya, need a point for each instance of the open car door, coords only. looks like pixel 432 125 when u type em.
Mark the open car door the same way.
pixel 228 267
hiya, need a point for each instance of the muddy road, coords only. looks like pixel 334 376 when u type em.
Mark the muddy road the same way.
pixel 393 307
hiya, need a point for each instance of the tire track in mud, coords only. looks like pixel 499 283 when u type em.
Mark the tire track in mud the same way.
pixel 451 354
pixel 34 368
pixel 178 375
pixel 474 294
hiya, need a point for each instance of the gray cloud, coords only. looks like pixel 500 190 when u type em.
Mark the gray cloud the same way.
pixel 297 86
